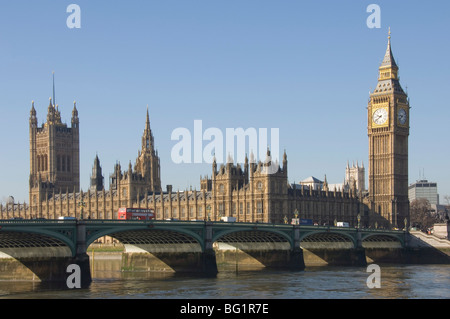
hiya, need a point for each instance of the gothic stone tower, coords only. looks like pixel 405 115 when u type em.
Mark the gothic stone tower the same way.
pixel 97 177
pixel 355 177
pixel 388 131
pixel 269 188
pixel 133 185
pixel 147 163
pixel 54 155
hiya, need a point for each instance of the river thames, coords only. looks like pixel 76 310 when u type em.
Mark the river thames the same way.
pixel 321 282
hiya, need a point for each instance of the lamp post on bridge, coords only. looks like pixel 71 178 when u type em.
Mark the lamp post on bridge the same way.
pixel 295 220
pixel 81 204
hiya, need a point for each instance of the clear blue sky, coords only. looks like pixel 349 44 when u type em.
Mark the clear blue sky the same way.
pixel 305 67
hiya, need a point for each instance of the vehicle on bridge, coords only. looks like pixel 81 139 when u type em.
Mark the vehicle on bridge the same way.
pixel 135 214
pixel 62 218
pixel 228 219
pixel 302 221
pixel 342 224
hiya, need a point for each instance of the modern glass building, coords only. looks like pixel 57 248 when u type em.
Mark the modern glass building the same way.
pixel 424 189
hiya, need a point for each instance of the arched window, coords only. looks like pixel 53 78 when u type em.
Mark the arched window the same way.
pixel 58 163
pixel 63 162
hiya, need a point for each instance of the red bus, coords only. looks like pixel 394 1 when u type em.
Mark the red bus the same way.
pixel 135 214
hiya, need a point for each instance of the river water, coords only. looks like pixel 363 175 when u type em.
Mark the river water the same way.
pixel 322 282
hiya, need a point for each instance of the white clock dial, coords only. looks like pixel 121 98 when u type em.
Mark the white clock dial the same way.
pixel 380 116
pixel 402 116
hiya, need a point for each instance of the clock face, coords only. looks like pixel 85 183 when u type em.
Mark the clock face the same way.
pixel 380 116
pixel 401 116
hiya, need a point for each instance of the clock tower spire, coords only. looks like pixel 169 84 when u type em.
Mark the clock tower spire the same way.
pixel 388 131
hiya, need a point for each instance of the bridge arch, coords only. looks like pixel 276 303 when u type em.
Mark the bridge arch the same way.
pixel 166 234
pixel 20 244
pixel 374 240
pixel 41 253
pixel 157 246
pixel 252 234
pixel 324 238
pixel 253 247
pixel 65 233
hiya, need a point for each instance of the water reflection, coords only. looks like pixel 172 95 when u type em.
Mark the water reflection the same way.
pixel 321 282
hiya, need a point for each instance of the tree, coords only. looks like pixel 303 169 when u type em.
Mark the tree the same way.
pixel 446 217
pixel 447 200
pixel 421 214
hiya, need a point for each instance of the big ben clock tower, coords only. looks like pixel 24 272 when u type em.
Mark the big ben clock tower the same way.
pixel 388 131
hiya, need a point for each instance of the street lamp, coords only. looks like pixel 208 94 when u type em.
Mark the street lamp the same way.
pixel 208 209
pixel 81 205
pixel 295 220
pixel 359 220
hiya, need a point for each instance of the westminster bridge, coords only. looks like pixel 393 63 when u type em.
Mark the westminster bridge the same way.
pixel 47 247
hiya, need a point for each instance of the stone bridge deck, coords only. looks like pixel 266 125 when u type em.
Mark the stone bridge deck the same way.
pixel 77 235
pixel 36 242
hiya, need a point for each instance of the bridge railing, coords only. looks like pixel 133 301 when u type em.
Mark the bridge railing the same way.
pixel 184 222
pixel 35 221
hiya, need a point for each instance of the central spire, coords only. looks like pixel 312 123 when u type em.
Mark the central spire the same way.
pixel 147 162
pixel 147 137
pixel 54 99
pixel 147 122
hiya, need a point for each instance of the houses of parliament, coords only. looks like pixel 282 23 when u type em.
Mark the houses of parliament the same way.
pixel 244 191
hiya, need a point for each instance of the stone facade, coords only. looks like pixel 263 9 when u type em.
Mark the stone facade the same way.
pixel 245 191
